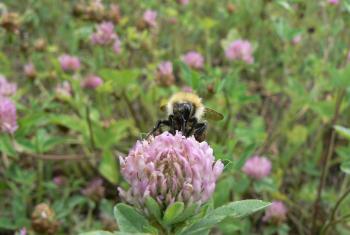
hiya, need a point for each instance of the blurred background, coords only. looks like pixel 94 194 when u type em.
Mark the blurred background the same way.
pixel 81 81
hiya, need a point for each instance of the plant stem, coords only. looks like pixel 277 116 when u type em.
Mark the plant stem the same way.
pixel 325 161
pixel 92 141
pixel 334 211
pixel 331 223
pixel 132 111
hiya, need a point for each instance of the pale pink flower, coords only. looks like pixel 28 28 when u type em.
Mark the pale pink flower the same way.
pixel 29 70
pixel 94 190
pixel 64 89
pixel 23 231
pixel 59 180
pixel 183 2
pixel 240 50
pixel 150 18
pixel 276 212
pixel 193 60
pixel 296 39
pixel 165 74
pixel 165 68
pixel 69 63
pixel 7 88
pixel 334 2
pixel 92 82
pixel 170 168
pixel 187 89
pixel 8 116
pixel 104 35
pixel 257 167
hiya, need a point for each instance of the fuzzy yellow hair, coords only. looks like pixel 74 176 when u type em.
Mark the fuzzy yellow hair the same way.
pixel 186 97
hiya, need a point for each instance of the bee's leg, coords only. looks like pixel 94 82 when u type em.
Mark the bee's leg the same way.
pixel 199 132
pixel 193 122
pixel 171 120
pixel 183 125
pixel 159 125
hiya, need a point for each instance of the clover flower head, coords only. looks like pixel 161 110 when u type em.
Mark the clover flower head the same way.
pixel 240 50
pixel 165 76
pixel 8 116
pixel 92 82
pixel 104 34
pixel 7 88
pixel 183 2
pixel 170 168
pixel 165 68
pixel 150 18
pixel 257 167
pixel 333 2
pixel 29 70
pixel 296 39
pixel 193 60
pixel 276 212
pixel 69 63
pixel 23 231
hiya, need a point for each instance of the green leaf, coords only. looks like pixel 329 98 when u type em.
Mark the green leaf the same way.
pixel 237 209
pixel 345 167
pixel 173 211
pixel 120 78
pixel 129 220
pixel 153 208
pixel 242 208
pixel 6 145
pixel 345 132
pixel 108 167
pixel 188 212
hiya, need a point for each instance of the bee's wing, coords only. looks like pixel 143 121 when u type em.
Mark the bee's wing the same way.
pixel 163 104
pixel 211 114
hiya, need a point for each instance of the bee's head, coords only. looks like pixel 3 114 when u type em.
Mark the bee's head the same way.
pixel 183 109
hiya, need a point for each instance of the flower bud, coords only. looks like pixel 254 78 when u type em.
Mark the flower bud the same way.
pixel 230 7
pixel 29 70
pixel 276 213
pixel 69 63
pixel 92 82
pixel 44 219
pixel 193 59
pixel 104 34
pixel 11 22
pixel 150 18
pixel 114 13
pixel 94 190
pixel 40 44
pixel 164 75
pixel 240 50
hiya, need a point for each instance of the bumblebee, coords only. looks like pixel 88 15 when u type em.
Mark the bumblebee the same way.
pixel 186 113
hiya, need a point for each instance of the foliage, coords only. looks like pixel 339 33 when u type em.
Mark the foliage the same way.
pixel 290 105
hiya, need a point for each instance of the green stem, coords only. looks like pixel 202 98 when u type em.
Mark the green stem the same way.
pixel 91 133
pixel 325 160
